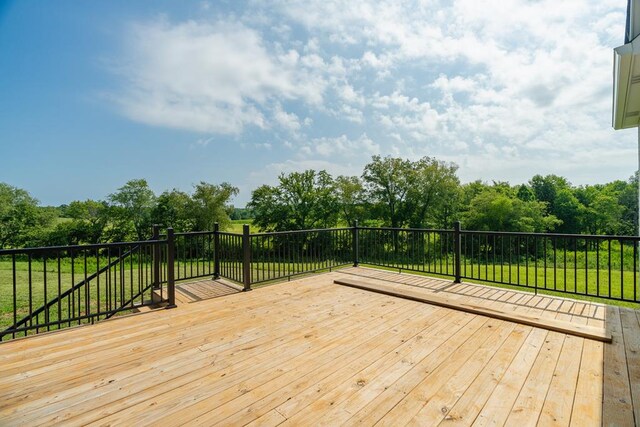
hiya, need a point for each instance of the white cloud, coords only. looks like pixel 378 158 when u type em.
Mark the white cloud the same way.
pixel 268 174
pixel 289 121
pixel 348 94
pixel 210 77
pixel 341 147
pixel 505 88
pixel 455 84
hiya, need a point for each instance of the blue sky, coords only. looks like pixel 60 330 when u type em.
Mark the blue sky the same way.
pixel 93 94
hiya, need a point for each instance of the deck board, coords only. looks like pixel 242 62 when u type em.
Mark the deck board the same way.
pixel 558 404
pixel 631 331
pixel 539 320
pixel 309 352
pixel 406 339
pixel 472 398
pixel 617 403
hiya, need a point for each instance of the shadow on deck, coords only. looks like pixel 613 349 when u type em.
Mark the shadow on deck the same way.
pixel 203 289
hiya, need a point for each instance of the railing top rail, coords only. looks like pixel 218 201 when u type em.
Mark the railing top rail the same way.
pixel 314 230
pixel 555 235
pixel 511 233
pixel 429 230
pixel 79 247
pixel 162 237
pixel 229 233
pixel 194 233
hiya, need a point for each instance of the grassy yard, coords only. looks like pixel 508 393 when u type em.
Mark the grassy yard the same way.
pixel 236 226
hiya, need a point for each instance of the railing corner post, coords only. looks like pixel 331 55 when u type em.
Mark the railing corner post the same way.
pixel 458 251
pixel 356 244
pixel 246 258
pixel 171 283
pixel 216 250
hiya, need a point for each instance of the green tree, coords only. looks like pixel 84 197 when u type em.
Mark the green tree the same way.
pixel 21 219
pixel 211 205
pixel 607 213
pixel 471 190
pixel 525 193
pixel 240 213
pixel 628 199
pixel 131 207
pixel 351 199
pixel 561 199
pixel 418 194
pixel 174 209
pixel 546 188
pixel 435 185
pixel 89 220
pixel 301 200
pixel 568 209
pixel 494 211
pixel 65 233
pixel 603 212
pixel 388 182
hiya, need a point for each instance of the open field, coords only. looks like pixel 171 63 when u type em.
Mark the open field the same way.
pixel 236 226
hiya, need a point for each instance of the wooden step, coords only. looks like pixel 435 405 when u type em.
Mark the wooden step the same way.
pixel 585 331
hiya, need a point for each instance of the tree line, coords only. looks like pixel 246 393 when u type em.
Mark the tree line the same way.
pixel 125 215
pixel 390 191
pixel 427 193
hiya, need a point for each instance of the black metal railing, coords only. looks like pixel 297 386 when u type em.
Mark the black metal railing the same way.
pixel 42 289
pixel 229 257
pixel 292 253
pixel 594 266
pixel 426 251
pixel 194 254
pixel 588 265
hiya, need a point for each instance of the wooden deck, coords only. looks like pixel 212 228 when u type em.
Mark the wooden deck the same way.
pixel 198 290
pixel 310 352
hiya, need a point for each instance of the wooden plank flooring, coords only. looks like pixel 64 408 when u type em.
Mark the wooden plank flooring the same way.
pixel 198 290
pixel 309 352
pixel 562 326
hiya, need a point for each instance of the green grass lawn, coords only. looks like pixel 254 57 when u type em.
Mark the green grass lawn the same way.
pixel 236 226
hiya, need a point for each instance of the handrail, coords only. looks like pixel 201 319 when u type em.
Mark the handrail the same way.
pixel 230 233
pixel 510 233
pixel 193 233
pixel 78 285
pixel 313 230
pixel 74 247
pixel 431 230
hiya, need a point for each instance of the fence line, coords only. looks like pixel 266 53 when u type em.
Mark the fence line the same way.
pixel 42 289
